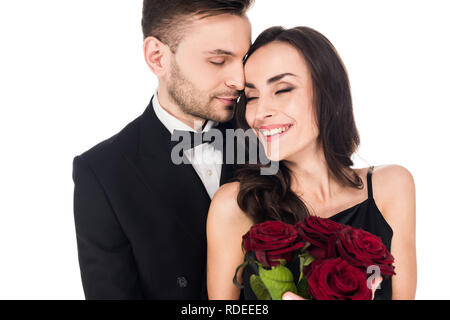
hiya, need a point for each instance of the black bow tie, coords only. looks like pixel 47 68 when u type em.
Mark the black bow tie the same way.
pixel 190 139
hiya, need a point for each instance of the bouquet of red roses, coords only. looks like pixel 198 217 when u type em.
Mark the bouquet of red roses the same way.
pixel 333 260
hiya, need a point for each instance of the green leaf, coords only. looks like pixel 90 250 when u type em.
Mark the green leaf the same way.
pixel 303 288
pixel 259 288
pixel 302 261
pixel 308 260
pixel 278 281
pixel 305 260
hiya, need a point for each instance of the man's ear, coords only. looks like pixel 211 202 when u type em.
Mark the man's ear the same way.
pixel 156 55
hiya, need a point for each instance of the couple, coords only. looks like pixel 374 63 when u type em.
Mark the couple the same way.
pixel 151 229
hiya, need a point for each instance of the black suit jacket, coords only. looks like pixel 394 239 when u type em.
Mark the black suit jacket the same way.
pixel 141 220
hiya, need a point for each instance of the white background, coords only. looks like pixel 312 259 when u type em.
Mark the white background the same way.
pixel 72 74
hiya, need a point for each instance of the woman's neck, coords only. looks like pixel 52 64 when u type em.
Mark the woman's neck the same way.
pixel 312 180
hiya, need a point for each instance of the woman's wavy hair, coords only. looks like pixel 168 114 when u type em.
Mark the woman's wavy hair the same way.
pixel 269 197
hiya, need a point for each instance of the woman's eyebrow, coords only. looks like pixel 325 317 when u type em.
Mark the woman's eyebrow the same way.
pixel 279 77
pixel 271 80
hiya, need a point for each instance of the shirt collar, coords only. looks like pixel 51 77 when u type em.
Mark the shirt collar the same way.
pixel 172 123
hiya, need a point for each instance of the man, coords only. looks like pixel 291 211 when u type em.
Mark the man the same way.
pixel 140 219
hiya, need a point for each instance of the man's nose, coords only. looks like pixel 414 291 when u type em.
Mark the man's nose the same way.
pixel 236 78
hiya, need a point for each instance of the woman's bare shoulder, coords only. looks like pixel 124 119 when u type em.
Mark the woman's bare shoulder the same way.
pixel 392 179
pixel 224 207
pixel 393 186
pixel 227 191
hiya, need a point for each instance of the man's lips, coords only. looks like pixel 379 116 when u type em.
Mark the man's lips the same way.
pixel 229 101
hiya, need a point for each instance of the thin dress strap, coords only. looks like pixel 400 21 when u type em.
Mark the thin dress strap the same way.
pixel 369 182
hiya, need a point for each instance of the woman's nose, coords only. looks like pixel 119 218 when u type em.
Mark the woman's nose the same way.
pixel 264 110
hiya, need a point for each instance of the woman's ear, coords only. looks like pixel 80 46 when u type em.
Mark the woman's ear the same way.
pixel 156 55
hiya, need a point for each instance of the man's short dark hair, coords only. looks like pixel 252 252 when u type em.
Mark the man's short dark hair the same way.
pixel 167 19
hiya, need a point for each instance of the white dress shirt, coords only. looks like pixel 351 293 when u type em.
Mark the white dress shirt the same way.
pixel 206 160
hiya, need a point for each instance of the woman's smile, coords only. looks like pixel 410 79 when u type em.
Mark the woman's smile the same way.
pixel 274 131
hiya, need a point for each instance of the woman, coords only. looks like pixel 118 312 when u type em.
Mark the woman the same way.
pixel 298 103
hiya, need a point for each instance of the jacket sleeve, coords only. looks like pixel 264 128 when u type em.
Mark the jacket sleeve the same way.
pixel 108 269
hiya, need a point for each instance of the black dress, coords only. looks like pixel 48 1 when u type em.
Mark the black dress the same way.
pixel 364 215
pixel 368 217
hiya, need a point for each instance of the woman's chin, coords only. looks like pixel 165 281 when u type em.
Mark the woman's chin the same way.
pixel 275 151
pixel 274 156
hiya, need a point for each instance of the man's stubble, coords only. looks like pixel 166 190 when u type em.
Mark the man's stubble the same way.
pixel 191 100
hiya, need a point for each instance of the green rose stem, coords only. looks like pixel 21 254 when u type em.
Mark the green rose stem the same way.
pixel 306 246
pixel 305 260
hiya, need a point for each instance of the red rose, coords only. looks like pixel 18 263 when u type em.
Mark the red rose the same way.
pixel 272 240
pixel 362 249
pixel 318 231
pixel 335 279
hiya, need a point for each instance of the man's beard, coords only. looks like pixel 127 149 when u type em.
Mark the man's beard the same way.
pixel 191 100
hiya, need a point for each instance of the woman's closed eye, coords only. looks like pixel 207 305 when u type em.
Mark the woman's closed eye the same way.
pixel 251 98
pixel 284 90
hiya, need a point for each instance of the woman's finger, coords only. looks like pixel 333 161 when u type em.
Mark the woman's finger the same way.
pixel 375 283
pixel 291 296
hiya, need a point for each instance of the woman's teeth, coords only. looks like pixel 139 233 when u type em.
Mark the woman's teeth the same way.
pixel 268 133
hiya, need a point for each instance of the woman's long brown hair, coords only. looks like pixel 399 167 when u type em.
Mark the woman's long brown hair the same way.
pixel 269 197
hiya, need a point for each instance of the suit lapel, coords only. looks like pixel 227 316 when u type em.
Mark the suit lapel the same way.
pixel 227 169
pixel 177 186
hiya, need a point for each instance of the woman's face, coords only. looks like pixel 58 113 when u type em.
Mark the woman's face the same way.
pixel 280 108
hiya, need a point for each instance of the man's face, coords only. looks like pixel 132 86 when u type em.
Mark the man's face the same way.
pixel 207 70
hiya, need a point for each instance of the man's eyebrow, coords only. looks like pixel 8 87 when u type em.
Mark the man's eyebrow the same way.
pixel 271 80
pixel 221 52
